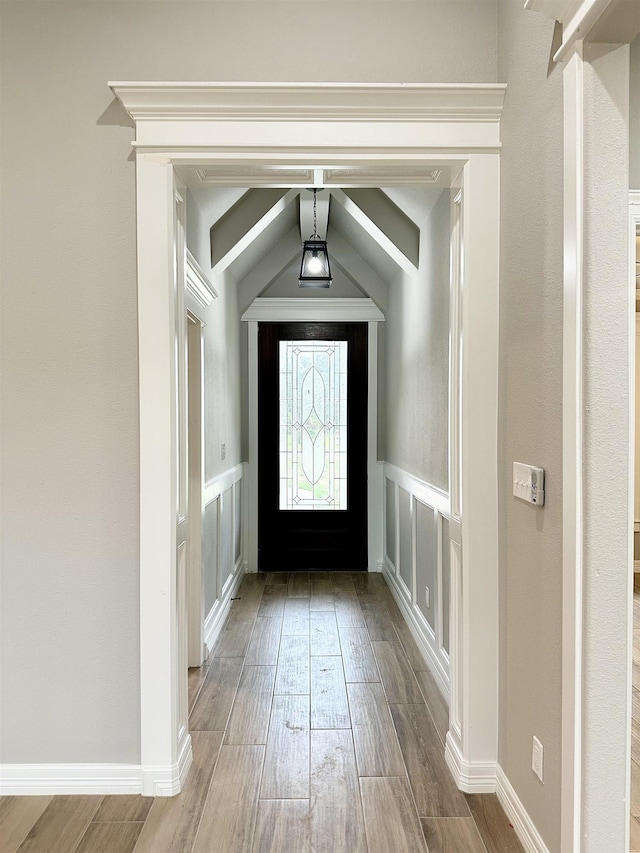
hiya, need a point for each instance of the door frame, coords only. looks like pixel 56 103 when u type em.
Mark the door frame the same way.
pixel 293 134
pixel 327 310
pixel 195 456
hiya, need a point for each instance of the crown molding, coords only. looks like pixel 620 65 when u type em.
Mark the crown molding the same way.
pixel 198 284
pixel 325 310
pixel 324 101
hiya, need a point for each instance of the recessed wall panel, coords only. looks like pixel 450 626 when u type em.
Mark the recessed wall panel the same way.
pixel 226 533
pixel 390 520
pixel 237 522
pixel 446 583
pixel 210 554
pixel 425 561
pixel 404 503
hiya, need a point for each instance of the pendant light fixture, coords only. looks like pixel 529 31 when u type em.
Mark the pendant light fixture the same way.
pixel 315 270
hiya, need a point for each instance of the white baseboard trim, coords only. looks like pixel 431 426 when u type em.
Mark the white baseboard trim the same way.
pixel 423 641
pixel 51 779
pixel 517 814
pixel 471 777
pixel 168 781
pixel 215 619
pixel 46 779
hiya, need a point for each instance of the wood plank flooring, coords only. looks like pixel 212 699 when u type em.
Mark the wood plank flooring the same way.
pixel 316 728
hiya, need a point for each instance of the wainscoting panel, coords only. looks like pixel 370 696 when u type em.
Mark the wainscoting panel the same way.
pixel 227 509
pixel 426 557
pixel 416 548
pixel 390 524
pixel 237 521
pixel 445 567
pixel 210 554
pixel 404 524
pixel 222 547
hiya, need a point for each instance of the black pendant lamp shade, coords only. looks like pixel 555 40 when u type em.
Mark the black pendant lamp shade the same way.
pixel 315 270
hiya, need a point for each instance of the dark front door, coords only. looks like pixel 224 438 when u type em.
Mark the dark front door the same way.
pixel 312 448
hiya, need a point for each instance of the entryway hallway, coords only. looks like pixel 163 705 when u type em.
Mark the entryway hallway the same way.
pixel 316 726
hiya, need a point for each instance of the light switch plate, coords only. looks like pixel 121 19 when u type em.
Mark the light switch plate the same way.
pixel 528 483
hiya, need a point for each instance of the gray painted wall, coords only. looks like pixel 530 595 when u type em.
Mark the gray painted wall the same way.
pixel 530 410
pixel 416 337
pixel 69 337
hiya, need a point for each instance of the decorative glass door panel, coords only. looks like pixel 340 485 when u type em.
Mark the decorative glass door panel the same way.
pixel 313 425
pixel 312 446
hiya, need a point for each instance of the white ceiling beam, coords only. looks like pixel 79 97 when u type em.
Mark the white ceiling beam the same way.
pixel 372 229
pixel 254 232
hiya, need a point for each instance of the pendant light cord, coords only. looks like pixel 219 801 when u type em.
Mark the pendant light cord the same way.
pixel 315 218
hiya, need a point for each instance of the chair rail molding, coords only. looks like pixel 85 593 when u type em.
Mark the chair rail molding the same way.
pixel 256 131
pixel 198 283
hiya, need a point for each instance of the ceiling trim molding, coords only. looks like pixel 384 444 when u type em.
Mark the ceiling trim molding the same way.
pixel 232 175
pixel 344 177
pixel 297 310
pixel 579 19
pixel 185 121
pixel 324 101
pixel 198 284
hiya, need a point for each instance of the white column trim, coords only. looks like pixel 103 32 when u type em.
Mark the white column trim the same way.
pixel 572 428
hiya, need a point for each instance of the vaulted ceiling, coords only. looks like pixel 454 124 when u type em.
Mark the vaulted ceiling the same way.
pixel 256 236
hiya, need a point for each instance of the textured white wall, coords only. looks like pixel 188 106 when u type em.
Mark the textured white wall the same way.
pixel 69 360
pixel 530 415
pixel 222 378
pixel 634 114
pixel 416 339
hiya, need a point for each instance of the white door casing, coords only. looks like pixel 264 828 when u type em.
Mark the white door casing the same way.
pixel 303 134
pixel 195 503
pixel 317 311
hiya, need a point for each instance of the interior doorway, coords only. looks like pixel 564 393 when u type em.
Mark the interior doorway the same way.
pixel 310 135
pixel 312 452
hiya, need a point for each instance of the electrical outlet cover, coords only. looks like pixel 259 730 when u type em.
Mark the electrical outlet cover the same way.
pixel 537 758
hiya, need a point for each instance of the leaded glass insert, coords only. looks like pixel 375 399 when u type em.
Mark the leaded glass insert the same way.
pixel 313 425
